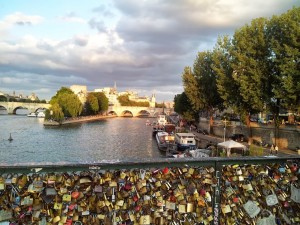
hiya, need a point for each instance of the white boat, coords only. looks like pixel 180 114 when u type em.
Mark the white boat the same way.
pixel 32 114
pixel 195 153
pixel 161 120
pixel 157 129
pixel 163 140
pixel 185 141
pixel 41 114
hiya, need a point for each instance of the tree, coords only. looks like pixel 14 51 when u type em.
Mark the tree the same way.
pixel 125 101
pixel 183 107
pixel 181 103
pixel 3 98
pixel 284 55
pixel 160 105
pixel 68 101
pixel 54 113
pixel 201 86
pixel 243 70
pixel 102 101
pixel 91 105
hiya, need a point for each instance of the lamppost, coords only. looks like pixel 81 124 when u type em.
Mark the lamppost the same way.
pixel 224 129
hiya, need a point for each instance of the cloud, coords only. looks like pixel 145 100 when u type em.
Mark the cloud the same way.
pixel 19 18
pixel 71 17
pixel 143 45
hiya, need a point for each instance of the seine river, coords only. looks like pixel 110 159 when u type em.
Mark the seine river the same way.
pixel 110 139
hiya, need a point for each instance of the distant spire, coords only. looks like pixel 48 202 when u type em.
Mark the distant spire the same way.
pixel 115 86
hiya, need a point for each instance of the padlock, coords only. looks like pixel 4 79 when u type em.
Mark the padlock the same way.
pixel 66 198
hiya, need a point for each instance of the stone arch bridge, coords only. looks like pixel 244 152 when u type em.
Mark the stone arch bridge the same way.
pixel 12 107
pixel 137 111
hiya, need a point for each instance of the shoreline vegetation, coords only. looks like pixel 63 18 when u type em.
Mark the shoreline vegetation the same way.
pixel 77 120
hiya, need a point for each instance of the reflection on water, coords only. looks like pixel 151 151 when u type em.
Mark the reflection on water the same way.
pixel 111 139
pixel 3 111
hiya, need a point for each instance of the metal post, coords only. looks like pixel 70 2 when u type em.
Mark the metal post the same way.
pixel 217 195
pixel 224 129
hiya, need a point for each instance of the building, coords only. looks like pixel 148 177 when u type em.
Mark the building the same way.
pixel 111 94
pixel 80 91
pixel 33 97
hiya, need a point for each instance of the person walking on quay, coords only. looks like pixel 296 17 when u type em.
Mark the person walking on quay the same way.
pixel 272 149
pixel 276 149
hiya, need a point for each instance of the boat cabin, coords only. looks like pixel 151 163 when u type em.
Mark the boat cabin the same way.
pixel 185 141
pixel 161 120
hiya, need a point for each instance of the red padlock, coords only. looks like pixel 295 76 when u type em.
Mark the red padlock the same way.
pixel 294 167
pixel 137 208
pixel 202 192
pixel 75 194
pixel 165 170
pixel 135 198
pixel 173 198
pixel 128 186
pixel 72 206
pixel 235 199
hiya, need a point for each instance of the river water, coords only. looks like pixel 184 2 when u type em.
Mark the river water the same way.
pixel 111 139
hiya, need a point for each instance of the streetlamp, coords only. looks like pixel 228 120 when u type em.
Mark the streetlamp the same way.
pixel 224 129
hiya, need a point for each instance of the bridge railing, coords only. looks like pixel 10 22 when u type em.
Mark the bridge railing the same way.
pixel 254 190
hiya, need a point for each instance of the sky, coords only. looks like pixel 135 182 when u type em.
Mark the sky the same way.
pixel 141 45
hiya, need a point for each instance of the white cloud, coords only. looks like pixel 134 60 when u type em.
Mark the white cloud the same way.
pixel 19 18
pixel 143 45
pixel 71 17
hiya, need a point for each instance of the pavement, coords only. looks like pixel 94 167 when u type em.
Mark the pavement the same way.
pixel 203 140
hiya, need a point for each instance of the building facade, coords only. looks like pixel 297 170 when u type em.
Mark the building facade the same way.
pixel 80 91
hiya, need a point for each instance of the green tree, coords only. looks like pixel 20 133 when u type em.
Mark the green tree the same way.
pixel 160 105
pixel 60 92
pixel 284 55
pixel 201 86
pixel 243 70
pixel 92 106
pixel 102 101
pixel 125 101
pixel 54 113
pixel 3 98
pixel 183 106
pixel 68 101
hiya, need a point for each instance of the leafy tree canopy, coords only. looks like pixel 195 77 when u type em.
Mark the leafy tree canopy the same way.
pixel 68 102
pixel 125 101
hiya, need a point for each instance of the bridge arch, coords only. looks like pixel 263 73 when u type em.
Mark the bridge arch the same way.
pixel 137 111
pixel 18 107
pixel 12 107
pixel 126 113
pixel 143 113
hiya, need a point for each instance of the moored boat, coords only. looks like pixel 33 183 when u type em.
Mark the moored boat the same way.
pixel 41 114
pixel 32 114
pixel 157 129
pixel 164 139
pixel 195 153
pixel 185 141
pixel 170 128
pixel 161 120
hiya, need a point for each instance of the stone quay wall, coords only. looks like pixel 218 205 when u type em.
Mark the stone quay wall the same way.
pixel 287 136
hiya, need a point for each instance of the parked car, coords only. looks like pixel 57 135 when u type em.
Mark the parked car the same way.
pixel 238 137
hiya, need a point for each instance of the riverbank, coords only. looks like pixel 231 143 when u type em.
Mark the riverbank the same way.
pixel 77 120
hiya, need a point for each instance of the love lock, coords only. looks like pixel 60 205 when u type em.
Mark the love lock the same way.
pixel 77 223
